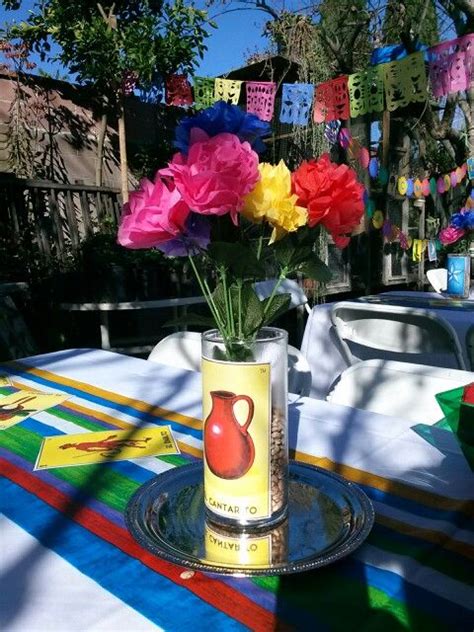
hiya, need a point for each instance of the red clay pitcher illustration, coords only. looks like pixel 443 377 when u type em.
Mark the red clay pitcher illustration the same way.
pixel 230 451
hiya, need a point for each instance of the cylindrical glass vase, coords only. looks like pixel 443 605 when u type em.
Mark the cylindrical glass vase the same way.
pixel 245 413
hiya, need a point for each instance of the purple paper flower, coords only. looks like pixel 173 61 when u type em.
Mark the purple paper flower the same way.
pixel 223 117
pixel 196 236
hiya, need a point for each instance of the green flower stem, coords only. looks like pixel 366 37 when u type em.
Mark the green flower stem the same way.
pixel 228 302
pixel 208 296
pixel 282 276
pixel 239 303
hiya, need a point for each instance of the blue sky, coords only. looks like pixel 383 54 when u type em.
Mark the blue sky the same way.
pixel 237 35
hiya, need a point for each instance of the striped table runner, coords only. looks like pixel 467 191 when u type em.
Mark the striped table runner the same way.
pixel 414 572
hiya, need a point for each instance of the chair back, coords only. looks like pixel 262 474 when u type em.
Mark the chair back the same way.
pixel 470 345
pixel 438 278
pixel 405 334
pixel 264 289
pixel 183 350
pixel 400 389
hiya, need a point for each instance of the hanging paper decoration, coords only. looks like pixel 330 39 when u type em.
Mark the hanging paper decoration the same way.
pixel 404 241
pixel 383 175
pixel 364 157
pixel 405 82
pixel 331 101
pixel 470 168
pixel 447 182
pixel 366 91
pixel 373 167
pixel 387 228
pixel 417 188
pixel 454 179
pixel 451 65
pixel 402 185
pixel 296 103
pixel 419 247
pixel 370 208
pixel 203 92
pixel 331 131
pixel 425 187
pixel 261 98
pixel 178 90
pixel 377 219
pixel 227 90
pixel 433 186
pixel 440 185
pixel 354 149
pixel 432 256
pixel 345 138
pixel 410 187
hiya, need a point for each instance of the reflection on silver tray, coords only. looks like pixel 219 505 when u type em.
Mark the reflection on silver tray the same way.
pixel 328 518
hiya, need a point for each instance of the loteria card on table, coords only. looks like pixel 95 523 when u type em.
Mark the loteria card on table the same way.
pixel 23 404
pixel 99 447
pixel 4 380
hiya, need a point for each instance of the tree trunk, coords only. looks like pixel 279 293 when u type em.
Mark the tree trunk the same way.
pixel 99 167
pixel 123 152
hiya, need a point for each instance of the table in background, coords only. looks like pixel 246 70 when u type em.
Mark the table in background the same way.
pixel 68 562
pixel 105 309
pixel 323 351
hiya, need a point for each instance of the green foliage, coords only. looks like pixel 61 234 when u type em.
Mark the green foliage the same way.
pixel 101 44
pixel 406 18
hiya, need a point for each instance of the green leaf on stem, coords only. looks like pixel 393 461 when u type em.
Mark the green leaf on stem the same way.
pixel 278 306
pixel 316 269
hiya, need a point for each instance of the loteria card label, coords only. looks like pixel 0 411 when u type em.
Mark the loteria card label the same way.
pixel 5 380
pixel 19 406
pixel 237 438
pixel 100 447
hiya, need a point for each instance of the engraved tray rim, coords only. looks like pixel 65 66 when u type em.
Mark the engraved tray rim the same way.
pixel 193 473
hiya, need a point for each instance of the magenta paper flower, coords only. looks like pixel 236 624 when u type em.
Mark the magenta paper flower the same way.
pixel 154 214
pixel 216 175
pixel 450 235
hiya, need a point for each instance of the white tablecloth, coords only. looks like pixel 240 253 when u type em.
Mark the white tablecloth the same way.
pixel 41 591
pixel 321 347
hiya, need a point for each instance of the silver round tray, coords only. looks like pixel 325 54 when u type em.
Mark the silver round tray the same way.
pixel 328 518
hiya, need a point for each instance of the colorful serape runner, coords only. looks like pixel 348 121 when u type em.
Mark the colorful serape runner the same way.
pixel 414 572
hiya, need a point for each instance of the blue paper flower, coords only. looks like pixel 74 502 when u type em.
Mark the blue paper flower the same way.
pixel 464 219
pixel 196 237
pixel 223 117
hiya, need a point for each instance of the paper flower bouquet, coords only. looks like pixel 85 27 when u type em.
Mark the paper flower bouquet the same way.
pixel 458 235
pixel 239 220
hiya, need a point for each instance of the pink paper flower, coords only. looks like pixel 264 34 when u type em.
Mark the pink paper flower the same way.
pixel 154 214
pixel 450 235
pixel 216 175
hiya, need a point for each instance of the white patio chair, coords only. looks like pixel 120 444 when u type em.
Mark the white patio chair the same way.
pixel 438 278
pixel 183 350
pixel 264 289
pixel 298 301
pixel 400 389
pixel 366 331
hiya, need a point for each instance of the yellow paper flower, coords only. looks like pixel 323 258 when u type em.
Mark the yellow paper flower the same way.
pixel 272 201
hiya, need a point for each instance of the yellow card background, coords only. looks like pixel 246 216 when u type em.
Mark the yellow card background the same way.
pixel 32 403
pixel 252 489
pixel 99 447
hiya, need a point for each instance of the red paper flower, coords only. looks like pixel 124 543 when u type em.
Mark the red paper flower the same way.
pixel 332 195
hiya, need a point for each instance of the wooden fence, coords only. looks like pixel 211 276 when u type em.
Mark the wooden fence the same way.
pixel 57 215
